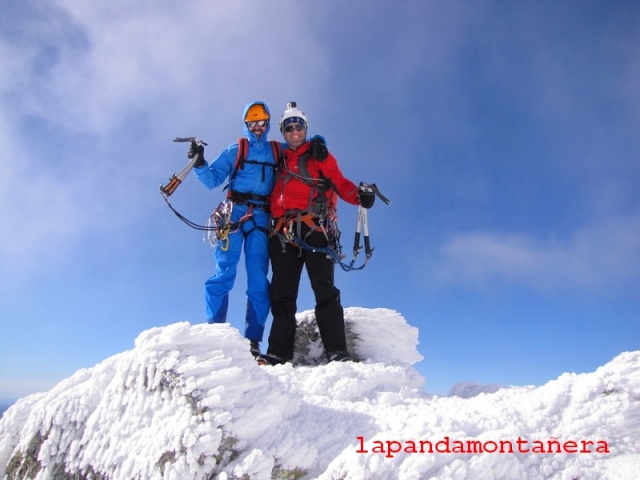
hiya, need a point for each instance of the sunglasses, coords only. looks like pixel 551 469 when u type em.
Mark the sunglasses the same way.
pixel 258 123
pixel 297 127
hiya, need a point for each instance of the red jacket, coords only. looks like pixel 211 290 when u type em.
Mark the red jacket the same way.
pixel 290 193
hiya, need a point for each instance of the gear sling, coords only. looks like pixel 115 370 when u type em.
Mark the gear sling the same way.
pixel 320 217
pixel 317 216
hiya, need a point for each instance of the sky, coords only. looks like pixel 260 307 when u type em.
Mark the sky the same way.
pixel 198 406
pixel 505 134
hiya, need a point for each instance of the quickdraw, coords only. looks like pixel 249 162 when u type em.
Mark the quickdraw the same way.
pixel 220 226
pixel 334 250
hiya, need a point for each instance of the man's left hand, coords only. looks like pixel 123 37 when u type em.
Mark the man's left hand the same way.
pixel 318 149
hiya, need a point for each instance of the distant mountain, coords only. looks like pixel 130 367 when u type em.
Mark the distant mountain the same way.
pixel 189 402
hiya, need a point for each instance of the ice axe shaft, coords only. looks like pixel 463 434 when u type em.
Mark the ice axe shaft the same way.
pixel 177 178
pixel 362 229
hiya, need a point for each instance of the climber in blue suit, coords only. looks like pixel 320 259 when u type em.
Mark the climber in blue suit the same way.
pixel 250 181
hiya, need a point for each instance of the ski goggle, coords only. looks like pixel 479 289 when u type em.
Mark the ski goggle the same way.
pixel 297 127
pixel 258 123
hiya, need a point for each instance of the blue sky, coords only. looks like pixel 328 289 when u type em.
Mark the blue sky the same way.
pixel 507 135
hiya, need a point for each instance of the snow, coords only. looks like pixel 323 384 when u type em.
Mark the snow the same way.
pixel 189 402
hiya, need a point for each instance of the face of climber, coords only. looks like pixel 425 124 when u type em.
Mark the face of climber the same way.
pixel 258 127
pixel 256 120
pixel 295 134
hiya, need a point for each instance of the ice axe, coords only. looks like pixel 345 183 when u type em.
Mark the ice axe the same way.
pixel 362 224
pixel 177 179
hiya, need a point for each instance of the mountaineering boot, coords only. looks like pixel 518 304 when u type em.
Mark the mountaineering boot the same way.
pixel 339 357
pixel 254 348
pixel 270 359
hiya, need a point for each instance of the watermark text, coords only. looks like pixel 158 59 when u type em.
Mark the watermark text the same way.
pixel 551 445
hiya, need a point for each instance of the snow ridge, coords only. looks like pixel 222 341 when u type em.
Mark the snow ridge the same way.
pixel 189 402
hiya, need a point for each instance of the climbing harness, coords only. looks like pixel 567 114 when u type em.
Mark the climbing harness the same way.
pixel 289 230
pixel 220 226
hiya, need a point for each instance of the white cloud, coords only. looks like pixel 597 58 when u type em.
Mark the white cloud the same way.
pixel 597 258
pixel 95 70
pixel 91 91
pixel 89 68
pixel 41 215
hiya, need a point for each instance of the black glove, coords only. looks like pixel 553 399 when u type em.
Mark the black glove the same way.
pixel 318 149
pixel 194 150
pixel 366 197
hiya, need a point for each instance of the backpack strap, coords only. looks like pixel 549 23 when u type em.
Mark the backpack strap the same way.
pixel 322 184
pixel 241 157
pixel 277 152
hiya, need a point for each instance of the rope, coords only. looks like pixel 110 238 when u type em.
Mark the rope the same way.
pixel 334 254
pixel 205 228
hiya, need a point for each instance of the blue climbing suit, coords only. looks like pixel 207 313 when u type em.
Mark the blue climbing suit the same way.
pixel 253 180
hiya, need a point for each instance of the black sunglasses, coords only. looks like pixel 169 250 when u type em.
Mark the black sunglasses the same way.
pixel 297 127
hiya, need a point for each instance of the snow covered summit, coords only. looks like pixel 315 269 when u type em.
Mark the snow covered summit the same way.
pixel 189 402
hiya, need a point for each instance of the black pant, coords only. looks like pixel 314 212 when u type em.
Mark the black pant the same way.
pixel 287 269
